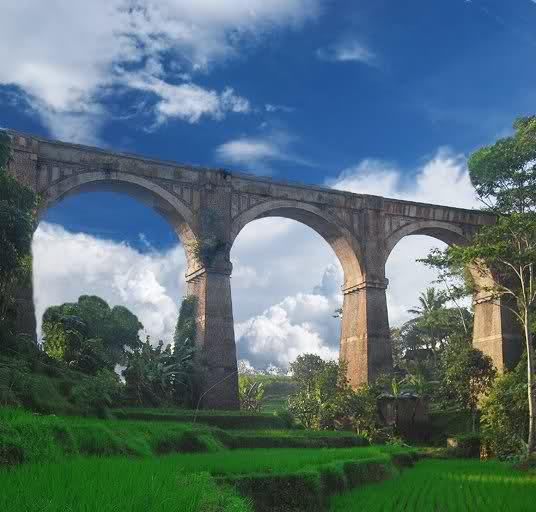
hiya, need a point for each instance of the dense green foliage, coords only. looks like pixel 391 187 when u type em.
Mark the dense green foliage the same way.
pixel 324 399
pixel 504 254
pixel 156 376
pixel 504 173
pixel 149 374
pixel 457 485
pixel 504 419
pixel 89 335
pixel 467 375
pixel 18 206
pixel 184 352
pixel 435 324
pixel 43 385
pixel 250 393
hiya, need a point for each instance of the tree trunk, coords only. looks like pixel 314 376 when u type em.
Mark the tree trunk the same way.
pixel 530 384
pixel 473 419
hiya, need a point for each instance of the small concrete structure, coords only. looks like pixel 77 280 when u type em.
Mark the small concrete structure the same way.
pixel 208 208
pixel 408 413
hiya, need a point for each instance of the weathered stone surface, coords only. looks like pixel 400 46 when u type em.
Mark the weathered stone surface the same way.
pixel 208 208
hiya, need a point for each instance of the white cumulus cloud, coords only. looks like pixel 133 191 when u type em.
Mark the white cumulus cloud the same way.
pixel 443 179
pixel 67 265
pixel 256 154
pixel 74 52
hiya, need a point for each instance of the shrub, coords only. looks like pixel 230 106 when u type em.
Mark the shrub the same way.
pixel 97 394
pixel 295 492
pixel 464 445
pixel 504 414
pixel 13 377
pixel 333 478
pixel 250 393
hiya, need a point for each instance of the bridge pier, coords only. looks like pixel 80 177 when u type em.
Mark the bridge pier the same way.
pixel 216 365
pixel 365 340
pixel 496 332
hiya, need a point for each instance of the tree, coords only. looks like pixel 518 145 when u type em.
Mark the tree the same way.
pixel 18 206
pixel 434 324
pixel 504 255
pixel 149 374
pixel 250 392
pixel 305 370
pixel 456 281
pixel 184 350
pixel 467 375
pixel 54 340
pixel 320 384
pixel 504 420
pixel 504 173
pixel 91 318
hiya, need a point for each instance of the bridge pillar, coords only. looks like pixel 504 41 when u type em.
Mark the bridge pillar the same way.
pixel 216 375
pixel 496 331
pixel 365 340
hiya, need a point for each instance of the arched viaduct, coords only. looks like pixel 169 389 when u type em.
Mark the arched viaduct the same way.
pixel 208 208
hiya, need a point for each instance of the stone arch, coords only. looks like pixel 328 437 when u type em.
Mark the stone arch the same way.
pixel 443 231
pixel 494 328
pixel 177 213
pixel 338 237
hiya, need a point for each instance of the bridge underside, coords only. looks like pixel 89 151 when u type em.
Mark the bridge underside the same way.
pixel 207 208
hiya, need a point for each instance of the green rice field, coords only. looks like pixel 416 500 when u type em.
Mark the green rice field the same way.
pixel 446 486
pixel 112 485
pixel 178 482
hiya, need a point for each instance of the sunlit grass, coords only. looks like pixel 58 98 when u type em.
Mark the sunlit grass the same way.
pixel 113 485
pixel 270 460
pixel 169 483
pixel 446 485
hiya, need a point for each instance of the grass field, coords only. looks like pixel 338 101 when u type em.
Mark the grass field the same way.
pixel 270 460
pixel 222 419
pixel 71 464
pixel 175 482
pixel 446 486
pixel 112 485
pixel 25 437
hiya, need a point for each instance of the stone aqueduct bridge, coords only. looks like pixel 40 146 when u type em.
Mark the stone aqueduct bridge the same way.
pixel 208 208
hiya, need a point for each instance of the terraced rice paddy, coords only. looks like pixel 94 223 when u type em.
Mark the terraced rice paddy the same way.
pixel 446 486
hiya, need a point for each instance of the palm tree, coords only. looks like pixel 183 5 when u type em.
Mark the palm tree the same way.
pixel 430 300
pixel 432 324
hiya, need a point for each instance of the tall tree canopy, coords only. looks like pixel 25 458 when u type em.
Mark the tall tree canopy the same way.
pixel 504 175
pixel 91 318
pixel 434 324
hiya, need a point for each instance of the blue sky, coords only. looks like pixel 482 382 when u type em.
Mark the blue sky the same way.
pixel 373 96
pixel 416 75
